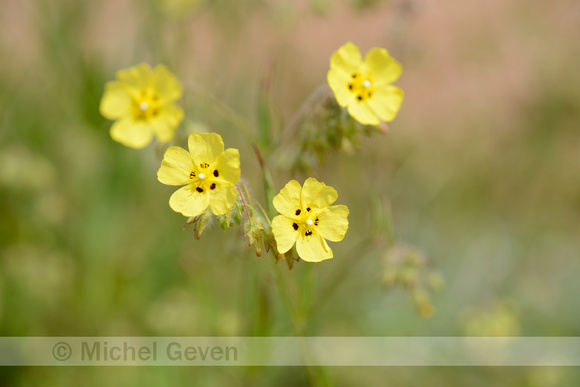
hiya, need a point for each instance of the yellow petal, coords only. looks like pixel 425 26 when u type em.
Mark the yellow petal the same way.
pixel 288 199
pixel 346 59
pixel 166 85
pixel 317 195
pixel 188 201
pixel 167 121
pixel 131 133
pixel 222 198
pixel 205 147
pixel 116 101
pixel 362 112
pixel 333 223
pixel 386 101
pixel 175 167
pixel 228 165
pixel 338 81
pixel 137 77
pixel 312 248
pixel 284 232
pixel 385 69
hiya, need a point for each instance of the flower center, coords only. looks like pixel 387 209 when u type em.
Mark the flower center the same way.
pixel 146 106
pixel 305 221
pixel 361 85
pixel 201 175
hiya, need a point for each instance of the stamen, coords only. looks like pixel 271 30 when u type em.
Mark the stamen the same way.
pixel 308 233
pixel 298 212
pixel 216 173
pixel 212 186
pixel 199 189
pixel 201 175
pixel 144 105
pixel 294 226
pixel 309 222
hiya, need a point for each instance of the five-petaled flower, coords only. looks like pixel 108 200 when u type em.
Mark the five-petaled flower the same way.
pixel 364 87
pixel 308 219
pixel 208 172
pixel 141 102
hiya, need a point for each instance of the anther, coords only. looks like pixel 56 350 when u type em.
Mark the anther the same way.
pixel 212 186
pixel 216 173
pixel 199 189
pixel 295 226
pixel 298 212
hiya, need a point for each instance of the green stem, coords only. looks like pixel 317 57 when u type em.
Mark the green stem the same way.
pixel 357 252
pixel 264 213
pixel 285 293
pixel 244 203
pixel 226 112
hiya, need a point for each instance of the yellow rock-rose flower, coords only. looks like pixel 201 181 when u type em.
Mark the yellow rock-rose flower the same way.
pixel 208 173
pixel 308 219
pixel 364 87
pixel 141 102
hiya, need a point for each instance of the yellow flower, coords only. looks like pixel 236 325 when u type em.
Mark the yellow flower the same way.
pixel 208 172
pixel 308 219
pixel 365 87
pixel 141 102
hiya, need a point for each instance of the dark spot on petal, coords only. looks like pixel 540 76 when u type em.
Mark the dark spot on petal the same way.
pixel 192 175
pixel 316 222
pixel 308 209
pixel 308 233
pixel 370 94
pixel 204 165
pixel 216 173
pixel 298 212
pixel 359 97
pixel 350 86
pixel 212 186
pixel 354 75
pixel 294 226
pixel 199 189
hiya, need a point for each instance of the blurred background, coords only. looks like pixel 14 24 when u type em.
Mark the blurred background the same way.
pixel 481 170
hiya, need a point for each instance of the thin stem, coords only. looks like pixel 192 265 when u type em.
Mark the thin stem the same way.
pixel 244 202
pixel 308 105
pixel 264 213
pixel 227 112
pixel 346 268
pixel 285 293
pixel 247 193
